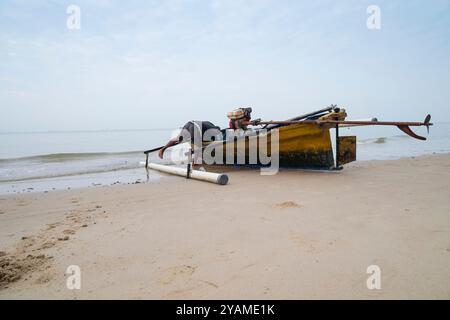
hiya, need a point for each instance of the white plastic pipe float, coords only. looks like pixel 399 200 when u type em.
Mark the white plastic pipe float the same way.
pixel 356 125
pixel 218 178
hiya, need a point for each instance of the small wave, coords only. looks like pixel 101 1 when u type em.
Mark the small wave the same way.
pixel 59 157
pixel 69 164
pixel 379 140
pixel 401 136
pixel 73 173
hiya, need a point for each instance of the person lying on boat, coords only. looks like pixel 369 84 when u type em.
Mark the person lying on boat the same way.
pixel 241 118
pixel 189 131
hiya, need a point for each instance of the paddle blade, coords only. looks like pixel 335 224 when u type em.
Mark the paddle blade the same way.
pixel 410 133
pixel 427 122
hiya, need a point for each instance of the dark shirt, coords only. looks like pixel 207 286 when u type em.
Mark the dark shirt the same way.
pixel 193 127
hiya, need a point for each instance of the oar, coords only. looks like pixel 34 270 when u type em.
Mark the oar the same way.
pixel 309 114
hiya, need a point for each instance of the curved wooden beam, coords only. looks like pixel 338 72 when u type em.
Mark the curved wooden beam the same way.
pixel 411 133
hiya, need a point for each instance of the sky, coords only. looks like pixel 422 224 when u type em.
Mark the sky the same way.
pixel 158 64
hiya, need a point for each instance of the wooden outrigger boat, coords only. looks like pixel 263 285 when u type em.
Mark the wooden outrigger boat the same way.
pixel 303 141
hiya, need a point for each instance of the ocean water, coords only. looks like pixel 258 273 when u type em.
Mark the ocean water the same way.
pixel 46 161
pixel 389 143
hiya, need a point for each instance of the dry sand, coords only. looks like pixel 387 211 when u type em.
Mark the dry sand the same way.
pixel 294 235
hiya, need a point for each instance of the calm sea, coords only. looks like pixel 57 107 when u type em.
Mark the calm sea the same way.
pixel 43 161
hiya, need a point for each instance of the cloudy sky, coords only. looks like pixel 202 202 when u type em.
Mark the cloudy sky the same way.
pixel 157 64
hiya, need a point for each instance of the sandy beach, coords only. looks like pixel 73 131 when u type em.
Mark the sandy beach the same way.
pixel 294 235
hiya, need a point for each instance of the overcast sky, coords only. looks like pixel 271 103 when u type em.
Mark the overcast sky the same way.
pixel 158 64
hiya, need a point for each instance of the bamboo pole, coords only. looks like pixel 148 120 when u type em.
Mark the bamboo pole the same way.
pixel 344 122
pixel 402 125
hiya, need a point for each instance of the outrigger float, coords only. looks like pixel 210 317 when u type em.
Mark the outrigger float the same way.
pixel 303 142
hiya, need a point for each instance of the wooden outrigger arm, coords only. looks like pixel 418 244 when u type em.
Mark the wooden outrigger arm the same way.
pixel 150 151
pixel 404 126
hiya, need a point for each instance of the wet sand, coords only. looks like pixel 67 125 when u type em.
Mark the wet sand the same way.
pixel 295 235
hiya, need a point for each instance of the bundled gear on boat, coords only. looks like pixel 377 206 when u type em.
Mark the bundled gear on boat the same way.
pixel 240 118
pixel 337 114
pixel 239 113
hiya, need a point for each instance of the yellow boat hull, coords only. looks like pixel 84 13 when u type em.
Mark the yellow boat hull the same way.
pixel 305 145
pixel 299 146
